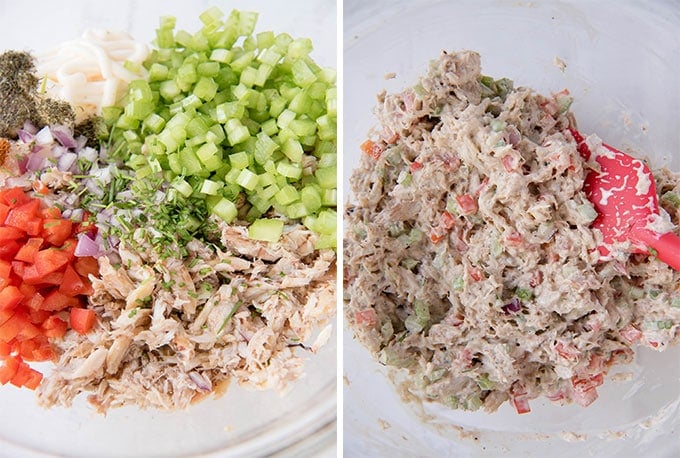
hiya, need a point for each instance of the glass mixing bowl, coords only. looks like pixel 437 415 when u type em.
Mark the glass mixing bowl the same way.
pixel 622 67
pixel 241 423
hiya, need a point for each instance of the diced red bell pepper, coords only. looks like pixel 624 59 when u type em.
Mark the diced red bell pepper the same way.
pixel 73 284
pixel 57 230
pixel 10 233
pixel 9 249
pixel 35 302
pixel 25 217
pixel 13 196
pixel 30 248
pixel 5 349
pixel 5 273
pixel 82 319
pixel 9 369
pixel 4 210
pixel 467 204
pixel 50 260
pixel 12 327
pixel 57 300
pixel 374 150
pixel 10 297
pixel 25 376
pixel 448 221
pixel 54 327
pixel 366 317
pixel 86 266
pixel 50 213
pixel 38 316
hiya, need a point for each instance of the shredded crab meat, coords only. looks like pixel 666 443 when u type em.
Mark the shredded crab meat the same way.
pixel 172 331
pixel 471 270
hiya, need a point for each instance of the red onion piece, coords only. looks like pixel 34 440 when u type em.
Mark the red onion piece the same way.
pixel 44 137
pixel 35 162
pixel 64 136
pixel 514 306
pixel 201 381
pixel 66 161
pixel 86 246
pixel 25 136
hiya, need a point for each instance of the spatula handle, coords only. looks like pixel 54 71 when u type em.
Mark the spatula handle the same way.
pixel 667 247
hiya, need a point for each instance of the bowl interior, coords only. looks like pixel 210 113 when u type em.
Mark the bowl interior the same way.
pixel 621 67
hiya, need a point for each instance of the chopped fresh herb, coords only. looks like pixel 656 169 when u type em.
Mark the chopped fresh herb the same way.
pixel 231 313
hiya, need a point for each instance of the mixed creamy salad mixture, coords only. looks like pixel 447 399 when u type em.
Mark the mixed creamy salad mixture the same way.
pixel 471 270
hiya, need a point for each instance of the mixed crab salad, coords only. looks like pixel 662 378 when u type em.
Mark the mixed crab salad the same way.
pixel 167 214
pixel 471 268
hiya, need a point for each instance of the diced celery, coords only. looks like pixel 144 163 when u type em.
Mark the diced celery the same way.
pixel 302 74
pixel 154 123
pixel 206 88
pixel 241 62
pixel 211 15
pixel 329 197
pixel 211 187
pixel 332 101
pixel 326 222
pixel 221 55
pixel 236 132
pixel 293 150
pixel 269 127
pixel 248 76
pixel 229 110
pixel 264 147
pixel 327 177
pixel 268 230
pixel 183 187
pixel 286 195
pixel 301 103
pixel 299 48
pixel 265 39
pixel 189 161
pixel 247 179
pixel 289 170
pixel 297 210
pixel 225 209
pixel 268 193
pixel 311 199
pixel 303 127
pixel 325 241
pixel 285 118
pixel 158 72
pixel 269 56
pixel 239 160
pixel 277 105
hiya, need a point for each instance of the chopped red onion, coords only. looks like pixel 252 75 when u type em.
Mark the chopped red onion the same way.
pixel 514 306
pixel 66 161
pixel 30 128
pixel 64 136
pixel 36 161
pixel 58 150
pixel 18 182
pixel 86 246
pixel 44 137
pixel 25 136
pixel 202 383
pixel 87 153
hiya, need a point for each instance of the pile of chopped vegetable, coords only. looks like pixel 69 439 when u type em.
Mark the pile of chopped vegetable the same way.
pixel 230 125
pixel 43 283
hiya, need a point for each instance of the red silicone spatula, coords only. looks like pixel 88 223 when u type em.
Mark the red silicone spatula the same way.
pixel 624 194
